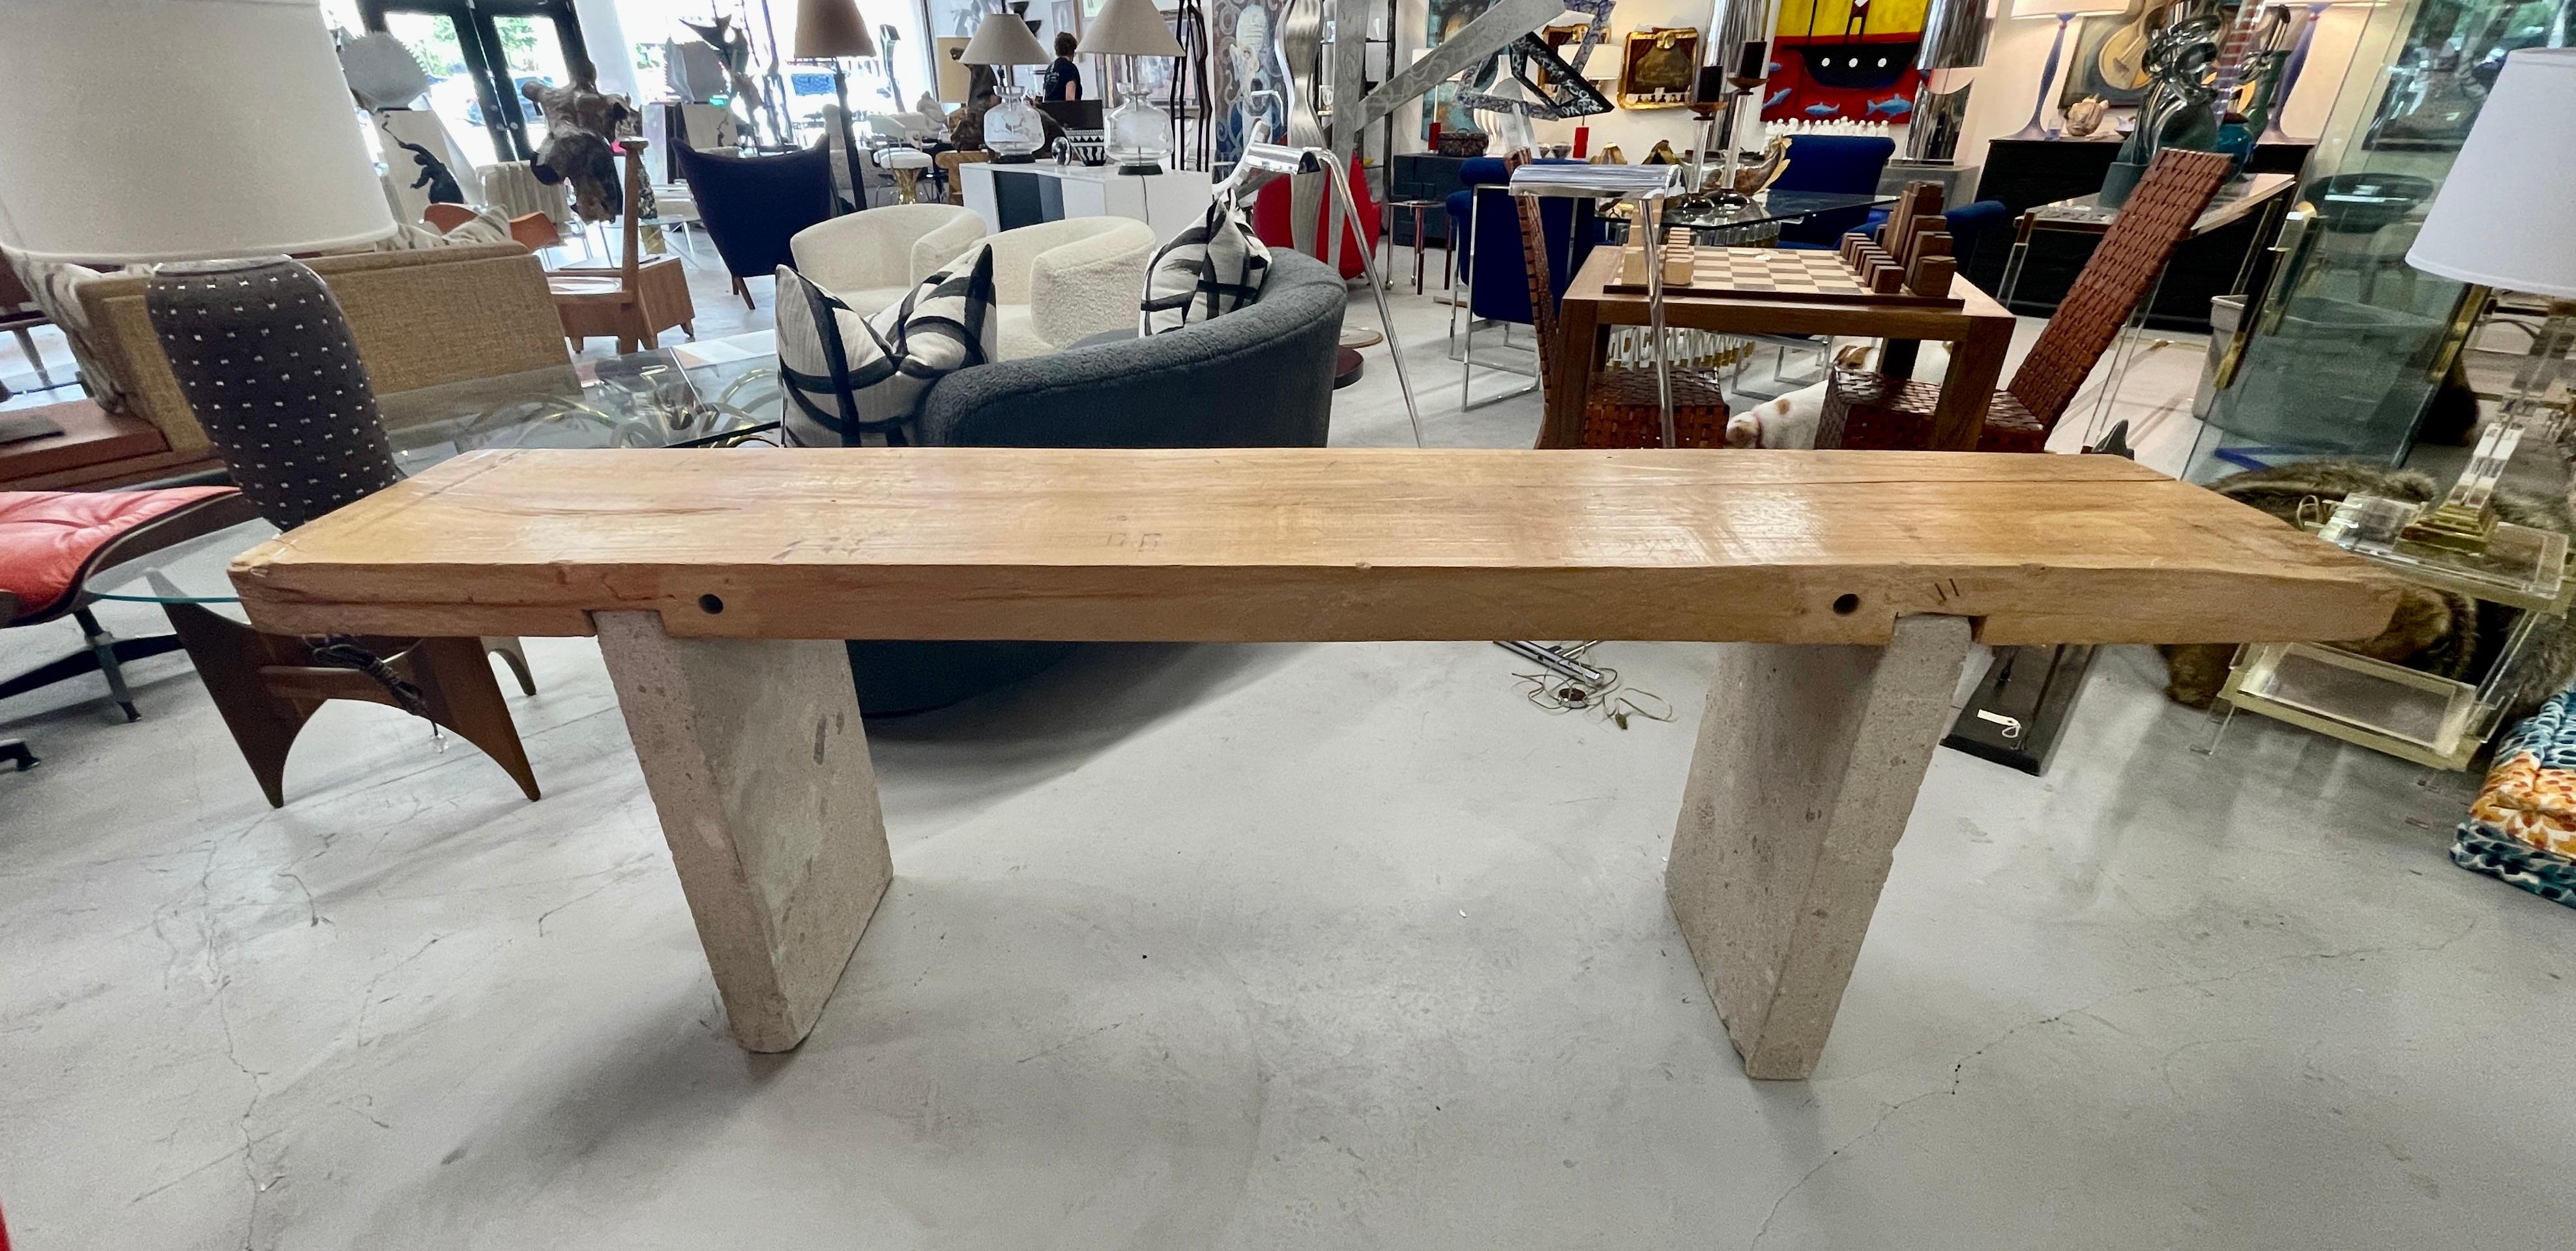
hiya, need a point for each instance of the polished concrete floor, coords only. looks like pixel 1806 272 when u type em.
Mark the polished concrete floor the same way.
pixel 1287 946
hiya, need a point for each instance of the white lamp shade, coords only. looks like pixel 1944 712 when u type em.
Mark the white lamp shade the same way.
pixel 2506 215
pixel 1129 28
pixel 153 130
pixel 1004 39
pixel 2066 8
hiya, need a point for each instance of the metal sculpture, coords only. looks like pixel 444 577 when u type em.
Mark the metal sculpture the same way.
pixel 1567 92
pixel 2177 111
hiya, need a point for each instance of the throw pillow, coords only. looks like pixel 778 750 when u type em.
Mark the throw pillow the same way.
pixel 859 382
pixel 1208 270
pixel 489 225
pixel 55 287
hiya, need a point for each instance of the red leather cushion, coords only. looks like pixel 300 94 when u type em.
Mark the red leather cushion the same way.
pixel 47 537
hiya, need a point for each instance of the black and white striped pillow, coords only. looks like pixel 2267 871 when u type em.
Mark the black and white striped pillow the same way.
pixel 859 382
pixel 1206 271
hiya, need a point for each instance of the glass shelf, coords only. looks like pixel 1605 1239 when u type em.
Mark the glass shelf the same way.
pixel 2521 566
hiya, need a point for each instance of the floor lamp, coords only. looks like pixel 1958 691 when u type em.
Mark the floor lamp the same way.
pixel 1281 160
pixel 2065 11
pixel 829 30
pixel 245 148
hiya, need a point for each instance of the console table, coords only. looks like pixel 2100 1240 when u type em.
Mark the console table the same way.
pixel 1024 194
pixel 719 582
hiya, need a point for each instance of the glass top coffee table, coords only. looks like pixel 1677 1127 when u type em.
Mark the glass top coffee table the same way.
pixel 1770 211
pixel 720 393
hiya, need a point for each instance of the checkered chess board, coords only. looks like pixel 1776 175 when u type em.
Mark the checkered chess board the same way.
pixel 1788 274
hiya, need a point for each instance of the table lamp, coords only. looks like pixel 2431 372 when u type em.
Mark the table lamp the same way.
pixel 1013 128
pixel 1139 133
pixel 240 143
pixel 2064 11
pixel 2506 216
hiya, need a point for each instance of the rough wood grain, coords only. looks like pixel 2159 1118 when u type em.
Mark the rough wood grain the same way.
pixel 1308 544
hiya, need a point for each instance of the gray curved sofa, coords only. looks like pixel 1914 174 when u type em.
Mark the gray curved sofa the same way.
pixel 1260 376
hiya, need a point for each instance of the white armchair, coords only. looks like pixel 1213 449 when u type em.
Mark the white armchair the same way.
pixel 870 259
pixel 1061 281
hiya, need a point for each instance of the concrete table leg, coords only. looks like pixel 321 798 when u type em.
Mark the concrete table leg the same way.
pixel 1808 762
pixel 753 752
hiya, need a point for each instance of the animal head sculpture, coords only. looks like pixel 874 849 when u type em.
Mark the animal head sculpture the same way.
pixel 580 125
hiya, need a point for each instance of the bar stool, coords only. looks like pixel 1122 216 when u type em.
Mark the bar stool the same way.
pixel 1419 208
pixel 907 164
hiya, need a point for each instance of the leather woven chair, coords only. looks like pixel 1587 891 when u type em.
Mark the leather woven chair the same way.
pixel 1868 410
pixel 753 205
pixel 50 543
pixel 1623 408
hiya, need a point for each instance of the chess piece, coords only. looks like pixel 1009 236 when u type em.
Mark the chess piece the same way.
pixel 1925 225
pixel 1931 275
pixel 1681 258
pixel 1886 279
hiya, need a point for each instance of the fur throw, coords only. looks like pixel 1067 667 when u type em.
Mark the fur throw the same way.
pixel 2433 631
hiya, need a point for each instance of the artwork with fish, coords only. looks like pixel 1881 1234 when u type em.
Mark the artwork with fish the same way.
pixel 1837 59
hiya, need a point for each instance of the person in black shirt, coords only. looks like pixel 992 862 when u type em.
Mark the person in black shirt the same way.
pixel 1063 77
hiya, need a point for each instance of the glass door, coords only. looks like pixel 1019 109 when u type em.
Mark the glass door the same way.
pixel 478 54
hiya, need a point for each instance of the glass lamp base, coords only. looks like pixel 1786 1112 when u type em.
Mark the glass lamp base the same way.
pixel 1137 135
pixel 1014 130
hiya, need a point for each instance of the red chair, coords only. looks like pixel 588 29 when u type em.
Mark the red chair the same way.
pixel 50 543
pixel 1273 214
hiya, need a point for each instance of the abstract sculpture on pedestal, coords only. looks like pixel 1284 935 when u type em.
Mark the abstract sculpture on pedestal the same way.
pixel 581 124
pixel 1565 92
pixel 2177 112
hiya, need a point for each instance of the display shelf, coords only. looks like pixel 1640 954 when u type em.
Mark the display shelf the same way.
pixel 2408 713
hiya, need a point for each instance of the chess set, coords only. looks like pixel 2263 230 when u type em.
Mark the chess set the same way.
pixel 1906 264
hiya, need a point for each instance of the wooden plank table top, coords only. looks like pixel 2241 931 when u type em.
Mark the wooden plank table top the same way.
pixel 716 582
pixel 1979 332
pixel 1244 545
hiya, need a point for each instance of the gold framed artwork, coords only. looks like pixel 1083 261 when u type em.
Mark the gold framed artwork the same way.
pixel 1559 38
pixel 1657 68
